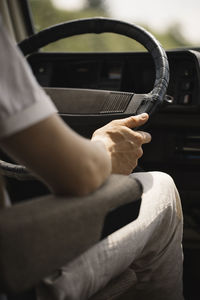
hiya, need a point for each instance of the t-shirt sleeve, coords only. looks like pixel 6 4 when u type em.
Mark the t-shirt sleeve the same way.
pixel 23 102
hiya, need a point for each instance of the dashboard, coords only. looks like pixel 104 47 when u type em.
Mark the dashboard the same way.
pixel 127 72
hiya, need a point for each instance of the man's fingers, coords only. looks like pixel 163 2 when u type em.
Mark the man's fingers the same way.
pixel 145 137
pixel 141 137
pixel 133 121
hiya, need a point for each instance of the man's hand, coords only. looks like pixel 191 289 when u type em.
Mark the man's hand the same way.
pixel 122 143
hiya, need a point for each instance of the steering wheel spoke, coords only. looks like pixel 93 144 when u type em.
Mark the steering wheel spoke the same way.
pixel 88 101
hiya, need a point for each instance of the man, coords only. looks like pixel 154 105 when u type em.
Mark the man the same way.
pixel 33 134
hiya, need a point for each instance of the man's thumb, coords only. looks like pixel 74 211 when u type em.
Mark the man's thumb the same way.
pixel 135 121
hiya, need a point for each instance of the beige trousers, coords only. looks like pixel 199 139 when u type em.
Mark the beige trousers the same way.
pixel 144 257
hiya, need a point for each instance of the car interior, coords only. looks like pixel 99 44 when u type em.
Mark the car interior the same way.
pixel 92 88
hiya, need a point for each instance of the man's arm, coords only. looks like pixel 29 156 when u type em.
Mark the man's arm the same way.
pixel 72 165
pixel 65 161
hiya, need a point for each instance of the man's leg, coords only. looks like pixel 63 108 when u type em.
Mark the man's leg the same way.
pixel 151 245
pixel 158 267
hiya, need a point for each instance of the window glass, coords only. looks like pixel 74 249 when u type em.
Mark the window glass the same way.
pixel 173 22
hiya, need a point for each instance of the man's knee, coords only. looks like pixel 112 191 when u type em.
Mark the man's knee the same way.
pixel 161 205
pixel 171 193
pixel 171 217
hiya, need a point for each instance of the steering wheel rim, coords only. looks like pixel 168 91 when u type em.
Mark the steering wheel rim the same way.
pixel 146 103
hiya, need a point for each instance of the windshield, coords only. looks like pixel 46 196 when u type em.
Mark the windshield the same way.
pixel 175 23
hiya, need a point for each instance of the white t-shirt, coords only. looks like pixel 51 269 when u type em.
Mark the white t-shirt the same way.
pixel 22 101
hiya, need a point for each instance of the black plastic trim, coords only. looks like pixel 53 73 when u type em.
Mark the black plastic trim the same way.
pixel 28 18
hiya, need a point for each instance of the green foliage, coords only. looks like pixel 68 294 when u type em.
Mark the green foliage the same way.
pixel 46 14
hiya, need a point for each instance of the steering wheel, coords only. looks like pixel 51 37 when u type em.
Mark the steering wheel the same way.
pixel 130 102
pixel 127 103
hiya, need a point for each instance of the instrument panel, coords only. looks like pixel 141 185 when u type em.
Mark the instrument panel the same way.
pixel 127 72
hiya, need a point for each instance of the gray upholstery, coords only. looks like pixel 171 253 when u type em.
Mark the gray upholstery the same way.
pixel 41 235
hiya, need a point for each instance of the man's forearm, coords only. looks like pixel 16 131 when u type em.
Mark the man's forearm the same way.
pixel 68 163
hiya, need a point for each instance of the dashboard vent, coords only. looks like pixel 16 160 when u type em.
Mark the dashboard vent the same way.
pixel 116 103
